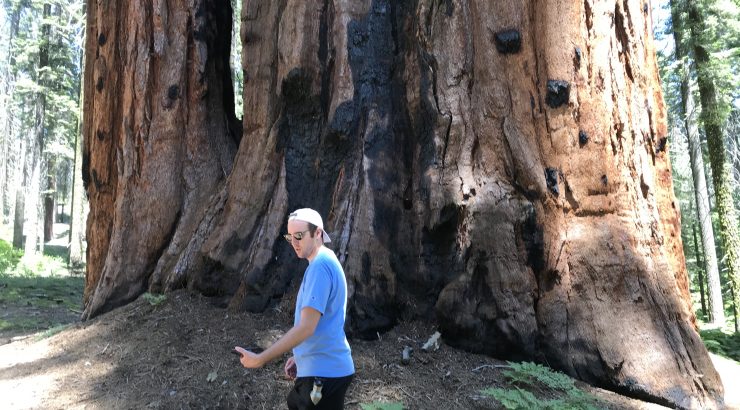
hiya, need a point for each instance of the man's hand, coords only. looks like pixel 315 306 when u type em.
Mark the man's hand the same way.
pixel 291 370
pixel 249 359
pixel 295 336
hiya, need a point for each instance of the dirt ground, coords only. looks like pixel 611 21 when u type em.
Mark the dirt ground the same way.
pixel 176 354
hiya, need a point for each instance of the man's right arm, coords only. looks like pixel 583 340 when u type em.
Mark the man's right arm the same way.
pixel 295 336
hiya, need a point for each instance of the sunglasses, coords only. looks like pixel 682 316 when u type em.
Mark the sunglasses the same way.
pixel 297 236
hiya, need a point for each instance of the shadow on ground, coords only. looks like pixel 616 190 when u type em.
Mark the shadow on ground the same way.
pixel 177 354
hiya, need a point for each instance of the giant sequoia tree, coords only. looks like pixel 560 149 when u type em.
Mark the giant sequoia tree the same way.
pixel 498 166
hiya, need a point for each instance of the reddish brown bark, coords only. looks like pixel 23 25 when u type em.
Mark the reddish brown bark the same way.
pixel 159 136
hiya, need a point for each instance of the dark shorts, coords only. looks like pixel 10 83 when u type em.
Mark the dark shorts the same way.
pixel 332 394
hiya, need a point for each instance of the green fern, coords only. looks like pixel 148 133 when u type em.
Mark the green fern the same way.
pixel 153 299
pixel 531 373
pixel 515 398
pixel 381 406
pixel 540 377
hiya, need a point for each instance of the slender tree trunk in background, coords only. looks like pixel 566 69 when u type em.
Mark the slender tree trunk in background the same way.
pixel 18 219
pixel 8 175
pixel 14 179
pixel 5 117
pixel 77 210
pixel 33 205
pixel 701 195
pixel 6 144
pixel 499 167
pixel 54 39
pixel 699 271
pixel 714 121
pixel 49 202
pixel 20 195
pixel 32 194
pixel 734 307
pixel 735 132
pixel 77 203
pixel 10 169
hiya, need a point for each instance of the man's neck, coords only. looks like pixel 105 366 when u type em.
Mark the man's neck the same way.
pixel 314 253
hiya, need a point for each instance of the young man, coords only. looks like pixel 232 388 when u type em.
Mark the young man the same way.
pixel 322 360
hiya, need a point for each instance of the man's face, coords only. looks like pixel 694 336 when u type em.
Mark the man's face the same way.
pixel 305 247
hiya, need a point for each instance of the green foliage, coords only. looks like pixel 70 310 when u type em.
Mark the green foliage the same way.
pixel 42 62
pixel 541 378
pixel 14 264
pixel 9 257
pixel 382 406
pixel 153 299
pixel 722 343
pixel 59 80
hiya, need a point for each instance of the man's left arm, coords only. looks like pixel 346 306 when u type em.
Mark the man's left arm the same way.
pixel 295 336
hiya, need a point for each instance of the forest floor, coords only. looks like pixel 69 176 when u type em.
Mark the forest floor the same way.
pixel 174 352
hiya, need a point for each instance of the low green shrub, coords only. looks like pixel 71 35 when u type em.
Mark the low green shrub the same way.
pixel 9 257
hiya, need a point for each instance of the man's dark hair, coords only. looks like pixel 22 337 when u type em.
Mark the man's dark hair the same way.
pixel 311 229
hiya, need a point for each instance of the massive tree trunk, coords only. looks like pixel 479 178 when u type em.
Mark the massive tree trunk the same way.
pixel 701 195
pixel 499 166
pixel 159 137
pixel 714 119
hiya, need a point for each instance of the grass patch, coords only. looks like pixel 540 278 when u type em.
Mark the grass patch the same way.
pixel 527 377
pixel 36 293
pixel 26 324
pixel 41 291
pixel 52 331
pixel 57 251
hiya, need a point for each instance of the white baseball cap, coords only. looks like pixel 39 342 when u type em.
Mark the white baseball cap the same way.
pixel 312 217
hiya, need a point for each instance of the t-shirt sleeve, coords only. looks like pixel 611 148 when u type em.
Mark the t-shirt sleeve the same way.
pixel 317 288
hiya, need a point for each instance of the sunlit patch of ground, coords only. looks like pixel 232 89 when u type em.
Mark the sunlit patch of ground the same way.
pixel 729 371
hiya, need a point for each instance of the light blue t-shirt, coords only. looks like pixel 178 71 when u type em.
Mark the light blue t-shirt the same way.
pixel 324 287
